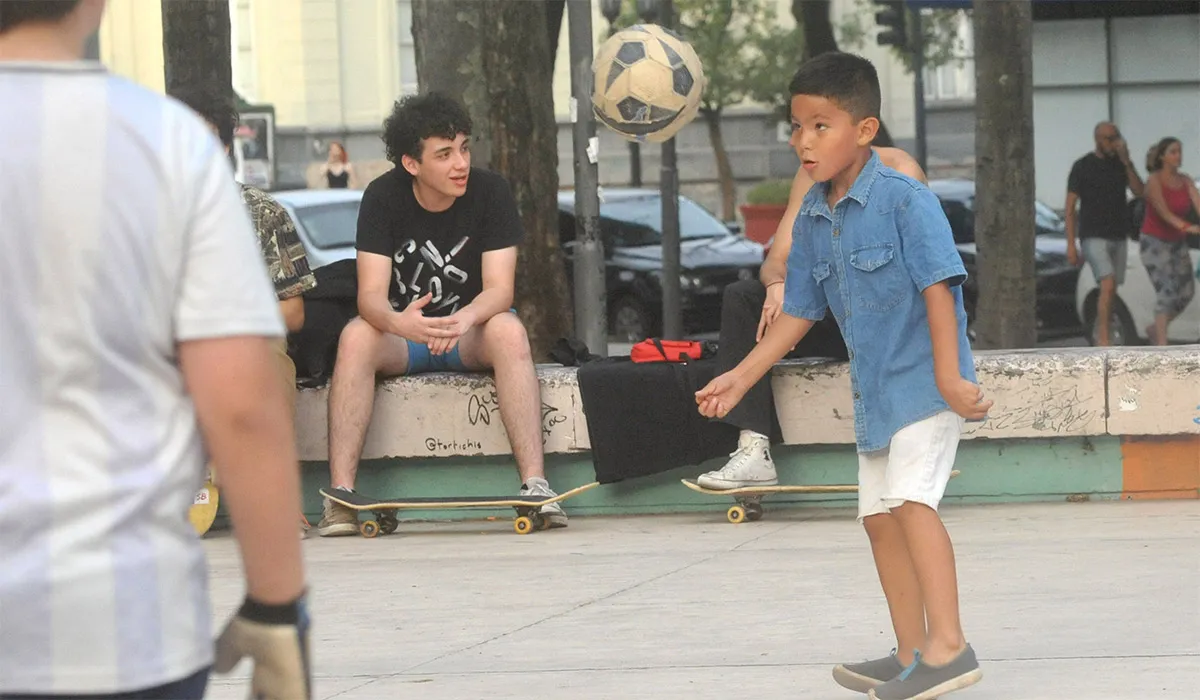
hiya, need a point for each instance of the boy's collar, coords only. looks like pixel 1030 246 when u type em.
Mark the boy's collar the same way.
pixel 860 191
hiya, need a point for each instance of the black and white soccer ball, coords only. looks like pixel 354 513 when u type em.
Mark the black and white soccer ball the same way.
pixel 648 83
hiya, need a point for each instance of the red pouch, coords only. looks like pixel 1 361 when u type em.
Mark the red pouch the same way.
pixel 656 350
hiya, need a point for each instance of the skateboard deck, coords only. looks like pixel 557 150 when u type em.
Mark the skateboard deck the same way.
pixel 528 518
pixel 204 507
pixel 749 498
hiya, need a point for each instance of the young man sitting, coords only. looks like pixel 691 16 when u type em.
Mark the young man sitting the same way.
pixel 437 257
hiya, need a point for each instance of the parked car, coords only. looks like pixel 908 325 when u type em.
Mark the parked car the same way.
pixel 1056 277
pixel 711 257
pixel 1133 307
pixel 326 220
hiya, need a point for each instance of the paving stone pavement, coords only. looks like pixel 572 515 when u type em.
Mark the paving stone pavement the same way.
pixel 1080 600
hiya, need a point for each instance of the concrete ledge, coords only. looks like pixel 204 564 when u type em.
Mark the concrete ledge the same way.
pixel 1039 394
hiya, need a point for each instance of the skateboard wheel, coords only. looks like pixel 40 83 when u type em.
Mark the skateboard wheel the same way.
pixel 754 512
pixel 387 527
pixel 523 525
pixel 369 528
pixel 736 514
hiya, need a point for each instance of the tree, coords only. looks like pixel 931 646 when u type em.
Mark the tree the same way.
pixel 494 54
pixel 1004 184
pixel 196 46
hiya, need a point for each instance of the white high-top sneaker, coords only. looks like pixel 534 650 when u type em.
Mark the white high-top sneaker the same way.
pixel 749 465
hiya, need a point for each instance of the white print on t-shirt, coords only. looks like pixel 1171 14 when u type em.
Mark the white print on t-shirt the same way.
pixel 439 269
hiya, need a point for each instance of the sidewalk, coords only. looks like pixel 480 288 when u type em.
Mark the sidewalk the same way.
pixel 1061 601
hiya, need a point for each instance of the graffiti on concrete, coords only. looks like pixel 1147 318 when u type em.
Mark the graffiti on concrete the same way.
pixel 1043 404
pixel 483 405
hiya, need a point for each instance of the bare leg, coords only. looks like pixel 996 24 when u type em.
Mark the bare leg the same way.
pixel 932 556
pixel 501 345
pixel 1108 289
pixel 900 584
pixel 363 352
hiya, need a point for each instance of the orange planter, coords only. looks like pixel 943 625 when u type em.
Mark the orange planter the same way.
pixel 762 220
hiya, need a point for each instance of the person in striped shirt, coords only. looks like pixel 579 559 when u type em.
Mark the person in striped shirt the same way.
pixel 136 328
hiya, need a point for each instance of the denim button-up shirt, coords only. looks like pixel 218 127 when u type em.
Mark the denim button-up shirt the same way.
pixel 869 260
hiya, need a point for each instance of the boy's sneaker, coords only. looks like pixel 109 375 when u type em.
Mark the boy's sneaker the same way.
pixel 337 520
pixel 863 676
pixel 921 681
pixel 749 465
pixel 540 488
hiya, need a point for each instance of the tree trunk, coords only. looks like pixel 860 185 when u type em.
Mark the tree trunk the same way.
pixel 555 9
pixel 1004 185
pixel 506 83
pixel 813 16
pixel 724 168
pixel 196 45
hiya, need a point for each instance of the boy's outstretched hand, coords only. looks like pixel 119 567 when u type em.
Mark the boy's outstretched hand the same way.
pixel 720 395
pixel 965 398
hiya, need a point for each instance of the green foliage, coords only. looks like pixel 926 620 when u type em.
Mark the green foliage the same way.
pixel 744 51
pixel 941 39
pixel 769 192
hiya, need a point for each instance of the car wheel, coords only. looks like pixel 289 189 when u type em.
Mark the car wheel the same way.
pixel 1121 329
pixel 629 321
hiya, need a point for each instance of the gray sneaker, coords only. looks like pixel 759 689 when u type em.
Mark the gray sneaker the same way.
pixel 552 512
pixel 337 520
pixel 921 681
pixel 862 677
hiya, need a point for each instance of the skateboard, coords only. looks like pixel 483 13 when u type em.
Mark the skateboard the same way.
pixel 204 507
pixel 528 518
pixel 749 498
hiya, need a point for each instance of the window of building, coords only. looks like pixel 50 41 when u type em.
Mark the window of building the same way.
pixel 408 48
pixel 955 81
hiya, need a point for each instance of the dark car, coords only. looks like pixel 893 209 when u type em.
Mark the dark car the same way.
pixel 1056 277
pixel 711 257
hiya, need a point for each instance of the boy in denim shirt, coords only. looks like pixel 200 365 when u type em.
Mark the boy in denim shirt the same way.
pixel 875 247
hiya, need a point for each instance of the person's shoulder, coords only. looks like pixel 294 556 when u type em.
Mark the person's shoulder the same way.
pixel 894 190
pixel 487 181
pixel 388 185
pixel 260 203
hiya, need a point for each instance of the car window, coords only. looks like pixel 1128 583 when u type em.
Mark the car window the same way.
pixel 961 218
pixel 330 225
pixel 641 220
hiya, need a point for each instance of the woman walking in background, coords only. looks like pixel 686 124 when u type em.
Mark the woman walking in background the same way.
pixel 338 171
pixel 1170 196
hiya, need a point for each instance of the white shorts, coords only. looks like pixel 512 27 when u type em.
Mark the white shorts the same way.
pixel 915 466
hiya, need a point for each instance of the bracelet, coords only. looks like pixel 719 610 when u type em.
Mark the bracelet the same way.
pixel 775 283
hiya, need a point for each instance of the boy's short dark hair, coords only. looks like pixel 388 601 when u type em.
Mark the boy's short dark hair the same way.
pixel 417 117
pixel 847 80
pixel 14 12
pixel 214 107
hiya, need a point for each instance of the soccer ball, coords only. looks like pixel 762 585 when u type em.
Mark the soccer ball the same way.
pixel 648 83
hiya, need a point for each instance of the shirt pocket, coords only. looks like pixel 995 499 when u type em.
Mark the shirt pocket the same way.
pixel 878 278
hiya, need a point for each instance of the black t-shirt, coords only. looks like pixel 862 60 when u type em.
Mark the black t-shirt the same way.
pixel 438 252
pixel 1100 184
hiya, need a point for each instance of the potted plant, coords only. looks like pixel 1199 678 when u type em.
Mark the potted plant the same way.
pixel 765 204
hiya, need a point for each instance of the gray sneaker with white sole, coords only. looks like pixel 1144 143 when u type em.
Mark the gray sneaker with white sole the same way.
pixel 920 681
pixel 865 675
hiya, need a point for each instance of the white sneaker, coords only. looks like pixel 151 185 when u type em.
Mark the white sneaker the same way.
pixel 749 465
pixel 552 512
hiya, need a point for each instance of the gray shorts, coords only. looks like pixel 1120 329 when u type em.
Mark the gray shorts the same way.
pixel 1106 257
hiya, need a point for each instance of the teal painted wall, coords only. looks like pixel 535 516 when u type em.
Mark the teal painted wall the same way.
pixel 993 471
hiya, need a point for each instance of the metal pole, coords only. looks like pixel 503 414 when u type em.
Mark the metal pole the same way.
pixel 590 313
pixel 918 56
pixel 669 187
pixel 635 164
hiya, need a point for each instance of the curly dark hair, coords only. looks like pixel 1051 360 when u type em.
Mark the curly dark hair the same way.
pixel 213 107
pixel 14 12
pixel 417 117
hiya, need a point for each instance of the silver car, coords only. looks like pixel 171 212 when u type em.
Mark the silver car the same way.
pixel 327 221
